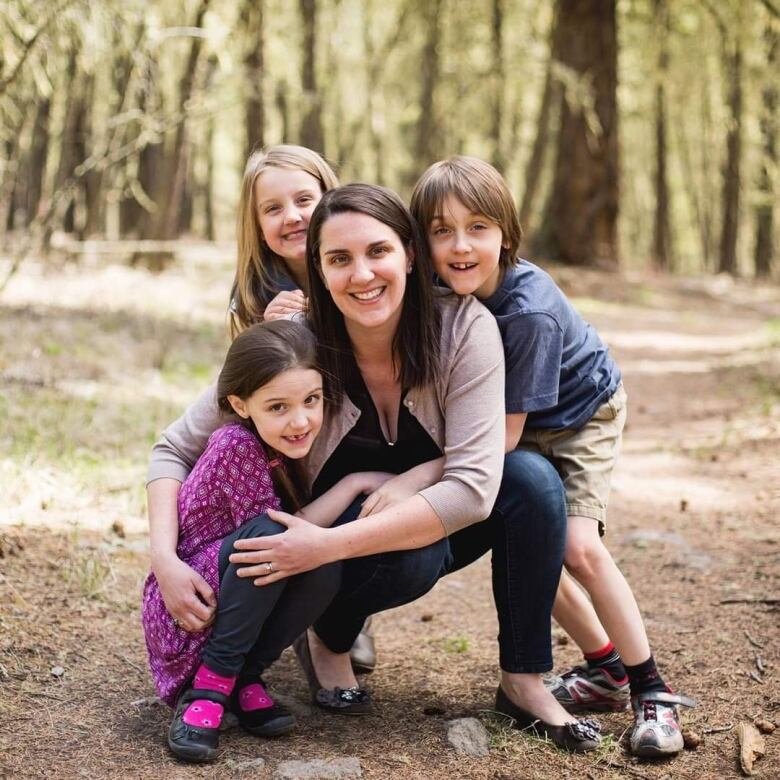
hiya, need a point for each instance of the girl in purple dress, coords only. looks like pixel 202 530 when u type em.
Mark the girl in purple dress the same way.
pixel 271 394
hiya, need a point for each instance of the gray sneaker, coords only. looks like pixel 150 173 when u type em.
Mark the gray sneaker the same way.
pixel 589 690
pixel 656 732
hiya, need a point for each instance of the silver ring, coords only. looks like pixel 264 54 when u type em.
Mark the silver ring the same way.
pixel 270 567
pixel 176 622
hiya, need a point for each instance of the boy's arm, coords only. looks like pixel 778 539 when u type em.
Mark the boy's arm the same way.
pixel 514 430
pixel 324 510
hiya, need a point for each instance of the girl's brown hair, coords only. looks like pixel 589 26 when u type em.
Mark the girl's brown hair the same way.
pixel 479 187
pixel 258 268
pixel 416 343
pixel 256 356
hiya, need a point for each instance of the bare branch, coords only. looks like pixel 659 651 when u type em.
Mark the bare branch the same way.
pixel 29 45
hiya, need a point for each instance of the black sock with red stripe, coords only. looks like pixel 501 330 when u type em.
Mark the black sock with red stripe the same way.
pixel 607 659
pixel 645 677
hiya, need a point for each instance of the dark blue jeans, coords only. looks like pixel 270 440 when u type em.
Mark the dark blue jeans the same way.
pixel 526 533
pixel 254 624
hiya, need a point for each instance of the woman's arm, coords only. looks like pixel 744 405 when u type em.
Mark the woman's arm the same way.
pixel 183 441
pixel 475 437
pixel 324 510
pixel 187 596
pixel 304 546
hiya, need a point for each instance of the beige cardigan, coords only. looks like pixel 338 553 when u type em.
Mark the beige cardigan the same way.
pixel 463 413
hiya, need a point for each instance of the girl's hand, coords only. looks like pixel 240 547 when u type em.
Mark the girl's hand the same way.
pixel 188 598
pixel 302 547
pixel 391 490
pixel 285 304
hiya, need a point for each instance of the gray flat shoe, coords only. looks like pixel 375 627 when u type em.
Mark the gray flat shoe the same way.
pixel 342 701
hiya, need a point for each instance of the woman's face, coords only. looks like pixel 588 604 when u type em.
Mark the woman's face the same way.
pixel 284 202
pixel 364 265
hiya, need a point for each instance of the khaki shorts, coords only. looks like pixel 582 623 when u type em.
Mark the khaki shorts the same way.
pixel 585 458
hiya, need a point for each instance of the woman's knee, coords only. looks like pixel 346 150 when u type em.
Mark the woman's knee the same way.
pixel 323 581
pixel 530 481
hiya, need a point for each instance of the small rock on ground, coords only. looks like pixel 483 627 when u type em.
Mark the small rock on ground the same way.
pixel 336 769
pixel 469 736
pixel 243 767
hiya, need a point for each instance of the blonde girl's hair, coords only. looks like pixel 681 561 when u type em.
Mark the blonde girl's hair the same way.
pixel 258 268
pixel 479 187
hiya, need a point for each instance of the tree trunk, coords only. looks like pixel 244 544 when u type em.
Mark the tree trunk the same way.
pixel 582 209
pixel 69 136
pixel 254 110
pixel 535 165
pixel 283 107
pixel 764 250
pixel 662 253
pixel 499 88
pixel 428 134
pixel 311 125
pixel 727 260
pixel 39 153
pixel 173 187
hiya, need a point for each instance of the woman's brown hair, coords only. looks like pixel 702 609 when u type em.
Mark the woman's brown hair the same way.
pixel 416 343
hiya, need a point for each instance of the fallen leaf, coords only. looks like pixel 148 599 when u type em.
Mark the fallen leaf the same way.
pixel 691 739
pixel 764 726
pixel 751 746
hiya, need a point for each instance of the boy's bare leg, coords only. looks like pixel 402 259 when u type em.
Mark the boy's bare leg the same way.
pixel 591 564
pixel 575 614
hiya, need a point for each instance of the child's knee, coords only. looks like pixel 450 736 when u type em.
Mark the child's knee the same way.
pixel 262 525
pixel 585 557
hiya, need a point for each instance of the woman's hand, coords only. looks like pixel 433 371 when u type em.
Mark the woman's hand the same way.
pixel 284 304
pixel 302 547
pixel 188 597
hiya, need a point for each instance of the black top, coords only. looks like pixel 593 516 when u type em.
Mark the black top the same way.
pixel 365 448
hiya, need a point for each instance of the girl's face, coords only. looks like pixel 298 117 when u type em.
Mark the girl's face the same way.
pixel 364 266
pixel 466 248
pixel 287 411
pixel 284 201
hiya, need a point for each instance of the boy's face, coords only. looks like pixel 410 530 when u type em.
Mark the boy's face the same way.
pixel 466 248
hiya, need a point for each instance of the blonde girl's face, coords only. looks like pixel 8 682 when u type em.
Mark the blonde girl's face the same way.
pixel 287 411
pixel 284 202
pixel 466 249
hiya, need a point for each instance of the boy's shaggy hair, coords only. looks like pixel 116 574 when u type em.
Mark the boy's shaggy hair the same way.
pixel 479 187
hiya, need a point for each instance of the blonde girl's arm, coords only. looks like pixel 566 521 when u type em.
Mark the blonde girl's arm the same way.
pixel 324 510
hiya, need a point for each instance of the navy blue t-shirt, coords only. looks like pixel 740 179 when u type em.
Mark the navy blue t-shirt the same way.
pixel 557 368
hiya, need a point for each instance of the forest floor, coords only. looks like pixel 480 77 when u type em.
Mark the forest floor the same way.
pixel 95 359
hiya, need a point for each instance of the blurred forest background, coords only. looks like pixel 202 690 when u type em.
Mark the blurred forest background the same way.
pixel 639 132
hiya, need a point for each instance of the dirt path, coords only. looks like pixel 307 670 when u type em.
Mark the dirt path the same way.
pixel 90 374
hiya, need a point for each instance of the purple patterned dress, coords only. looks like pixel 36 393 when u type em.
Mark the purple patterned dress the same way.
pixel 230 484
